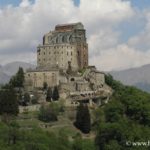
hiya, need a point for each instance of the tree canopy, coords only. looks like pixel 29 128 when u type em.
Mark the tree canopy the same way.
pixel 126 118
pixel 18 79
pixel 8 102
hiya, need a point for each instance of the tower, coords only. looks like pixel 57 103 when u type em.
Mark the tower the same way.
pixel 65 45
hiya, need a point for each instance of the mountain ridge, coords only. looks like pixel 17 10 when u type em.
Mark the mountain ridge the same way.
pixel 9 69
pixel 139 77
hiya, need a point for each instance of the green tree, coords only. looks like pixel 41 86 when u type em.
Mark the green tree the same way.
pixel 13 134
pixel 18 79
pixel 49 95
pixel 83 120
pixel 114 111
pixel 47 114
pixel 126 117
pixel 77 143
pixel 55 95
pixel 26 98
pixel 8 102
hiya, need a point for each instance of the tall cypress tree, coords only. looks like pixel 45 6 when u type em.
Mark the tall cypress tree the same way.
pixel 83 120
pixel 55 94
pixel 18 79
pixel 49 94
pixel 86 122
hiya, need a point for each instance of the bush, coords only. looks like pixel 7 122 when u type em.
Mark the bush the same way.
pixel 47 114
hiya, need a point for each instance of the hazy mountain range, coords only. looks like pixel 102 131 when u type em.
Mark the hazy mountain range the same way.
pixel 139 77
pixel 6 71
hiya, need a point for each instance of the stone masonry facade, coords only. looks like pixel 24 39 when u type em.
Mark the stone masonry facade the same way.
pixel 62 60
pixel 65 45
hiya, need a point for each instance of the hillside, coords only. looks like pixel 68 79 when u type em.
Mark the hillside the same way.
pixel 139 77
pixel 124 122
pixel 118 125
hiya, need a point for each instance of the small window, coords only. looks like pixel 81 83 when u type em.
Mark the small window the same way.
pixel 72 79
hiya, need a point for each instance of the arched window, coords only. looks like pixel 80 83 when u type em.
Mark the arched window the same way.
pixel 63 39
pixel 72 79
pixel 57 40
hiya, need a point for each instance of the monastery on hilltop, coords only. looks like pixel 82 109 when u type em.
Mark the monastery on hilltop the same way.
pixel 62 60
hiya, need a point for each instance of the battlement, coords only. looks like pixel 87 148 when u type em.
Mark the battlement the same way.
pixel 68 27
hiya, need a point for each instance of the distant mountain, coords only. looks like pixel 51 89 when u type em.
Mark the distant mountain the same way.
pixel 139 77
pixel 6 71
pixel 4 78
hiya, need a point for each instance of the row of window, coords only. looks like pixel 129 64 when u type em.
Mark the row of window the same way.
pixel 50 59
pixel 71 53
pixel 58 47
pixel 53 74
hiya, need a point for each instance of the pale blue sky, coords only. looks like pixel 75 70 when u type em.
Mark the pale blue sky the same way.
pixel 137 3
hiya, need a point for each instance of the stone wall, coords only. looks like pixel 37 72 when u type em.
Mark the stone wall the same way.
pixel 25 109
pixel 35 79
pixel 57 56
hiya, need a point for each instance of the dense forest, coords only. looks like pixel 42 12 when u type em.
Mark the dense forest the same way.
pixel 124 123
pixel 121 124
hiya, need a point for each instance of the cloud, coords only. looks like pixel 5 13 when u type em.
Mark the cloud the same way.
pixel 120 57
pixel 22 29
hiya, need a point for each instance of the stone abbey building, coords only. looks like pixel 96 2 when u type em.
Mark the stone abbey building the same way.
pixel 65 45
pixel 62 60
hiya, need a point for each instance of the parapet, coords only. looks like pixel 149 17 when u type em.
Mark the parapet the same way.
pixel 69 27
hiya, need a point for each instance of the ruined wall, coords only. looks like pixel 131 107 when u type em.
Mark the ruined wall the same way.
pixel 36 79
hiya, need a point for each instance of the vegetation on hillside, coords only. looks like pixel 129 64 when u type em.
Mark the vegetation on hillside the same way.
pixel 8 102
pixel 124 120
pixel 18 79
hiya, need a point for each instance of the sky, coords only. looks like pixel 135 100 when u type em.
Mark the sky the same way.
pixel 118 31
